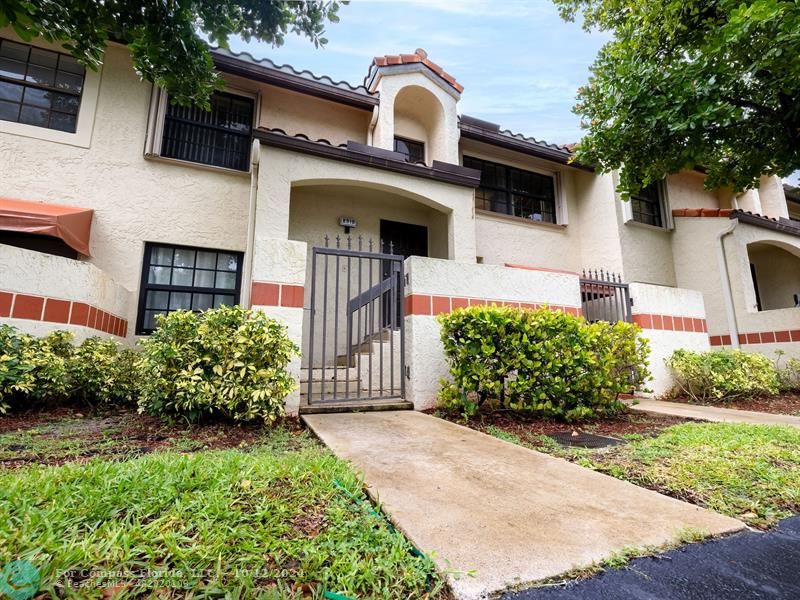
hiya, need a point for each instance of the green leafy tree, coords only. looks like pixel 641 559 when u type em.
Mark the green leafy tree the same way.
pixel 166 36
pixel 692 83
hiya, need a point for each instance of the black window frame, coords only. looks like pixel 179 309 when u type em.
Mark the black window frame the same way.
pixel 503 192
pixel 414 147
pixel 647 205
pixel 145 286
pixel 29 84
pixel 180 120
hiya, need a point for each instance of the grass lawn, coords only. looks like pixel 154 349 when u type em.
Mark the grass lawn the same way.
pixel 750 472
pixel 280 518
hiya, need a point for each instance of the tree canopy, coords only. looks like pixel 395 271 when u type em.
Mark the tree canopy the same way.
pixel 166 37
pixel 692 83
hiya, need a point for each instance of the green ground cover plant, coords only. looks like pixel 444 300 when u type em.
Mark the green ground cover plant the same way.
pixel 541 361
pixel 278 519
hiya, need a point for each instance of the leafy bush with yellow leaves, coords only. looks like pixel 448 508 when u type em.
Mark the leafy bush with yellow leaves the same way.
pixel 228 362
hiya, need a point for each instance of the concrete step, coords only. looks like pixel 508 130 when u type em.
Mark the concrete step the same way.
pixel 340 386
pixel 354 406
pixel 341 372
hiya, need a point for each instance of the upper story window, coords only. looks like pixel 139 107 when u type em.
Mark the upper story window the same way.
pixel 512 191
pixel 220 137
pixel 647 205
pixel 413 151
pixel 39 87
pixel 177 277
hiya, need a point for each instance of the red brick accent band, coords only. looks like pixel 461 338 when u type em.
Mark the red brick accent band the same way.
pixel 264 293
pixel 701 212
pixel 424 304
pixel 759 337
pixel 670 323
pixel 56 310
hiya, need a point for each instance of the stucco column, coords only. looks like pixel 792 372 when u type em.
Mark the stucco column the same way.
pixel 750 201
pixel 279 273
pixel 773 199
pixel 461 243
pixel 279 264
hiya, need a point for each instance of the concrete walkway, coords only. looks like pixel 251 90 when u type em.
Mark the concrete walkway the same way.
pixel 712 413
pixel 512 515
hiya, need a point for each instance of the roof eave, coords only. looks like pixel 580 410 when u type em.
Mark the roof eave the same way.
pixel 248 70
pixel 371 157
pixel 536 150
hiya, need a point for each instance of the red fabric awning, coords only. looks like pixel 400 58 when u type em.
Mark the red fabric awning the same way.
pixel 71 224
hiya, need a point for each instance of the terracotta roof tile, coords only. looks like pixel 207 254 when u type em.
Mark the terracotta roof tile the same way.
pixel 419 56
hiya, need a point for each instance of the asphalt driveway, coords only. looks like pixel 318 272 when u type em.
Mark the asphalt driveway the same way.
pixel 745 566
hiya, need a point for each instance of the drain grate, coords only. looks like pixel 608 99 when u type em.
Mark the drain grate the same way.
pixel 581 439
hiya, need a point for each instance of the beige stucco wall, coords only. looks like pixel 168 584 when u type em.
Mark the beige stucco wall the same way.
pixel 685 190
pixel 598 222
pixel 283 173
pixel 29 272
pixel 415 96
pixel 317 118
pixel 135 200
pixel 697 266
pixel 675 302
pixel 505 239
pixel 773 200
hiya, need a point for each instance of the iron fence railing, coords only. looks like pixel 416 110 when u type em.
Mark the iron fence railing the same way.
pixel 604 297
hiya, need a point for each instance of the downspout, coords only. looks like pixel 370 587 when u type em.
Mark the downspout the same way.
pixel 726 282
pixel 247 267
pixel 373 121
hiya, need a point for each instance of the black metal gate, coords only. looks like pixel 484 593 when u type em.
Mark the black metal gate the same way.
pixel 604 297
pixel 356 337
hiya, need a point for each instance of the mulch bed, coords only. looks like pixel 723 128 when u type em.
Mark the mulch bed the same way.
pixel 785 404
pixel 528 427
pixel 67 434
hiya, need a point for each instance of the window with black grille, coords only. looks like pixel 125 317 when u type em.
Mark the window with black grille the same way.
pixel 512 191
pixel 180 277
pixel 220 136
pixel 413 151
pixel 646 205
pixel 39 87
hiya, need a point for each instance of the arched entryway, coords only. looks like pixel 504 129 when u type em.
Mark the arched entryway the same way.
pixel 775 272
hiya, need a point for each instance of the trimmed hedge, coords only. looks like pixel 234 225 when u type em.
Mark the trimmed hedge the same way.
pixel 228 362
pixel 723 375
pixel 540 361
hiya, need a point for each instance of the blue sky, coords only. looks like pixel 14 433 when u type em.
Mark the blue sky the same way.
pixel 519 62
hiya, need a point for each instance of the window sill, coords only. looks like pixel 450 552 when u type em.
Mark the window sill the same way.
pixel 194 165
pixel 632 223
pixel 519 220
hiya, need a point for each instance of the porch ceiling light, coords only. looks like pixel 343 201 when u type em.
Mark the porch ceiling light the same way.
pixel 348 223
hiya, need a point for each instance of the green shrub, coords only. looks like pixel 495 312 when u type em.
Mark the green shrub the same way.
pixel 49 369
pixel 540 361
pixel 788 374
pixel 227 361
pixel 33 368
pixel 101 371
pixel 723 375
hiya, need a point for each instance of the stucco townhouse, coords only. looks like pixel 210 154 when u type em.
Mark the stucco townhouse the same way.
pixel 355 213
